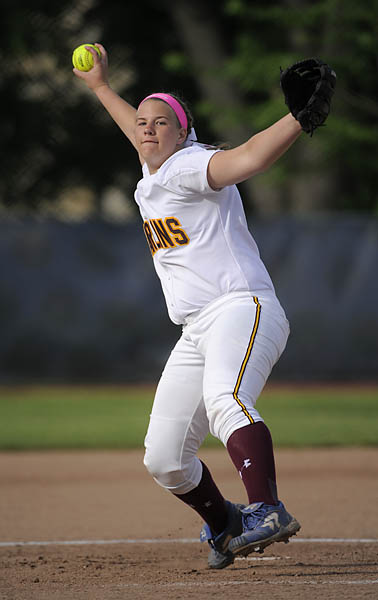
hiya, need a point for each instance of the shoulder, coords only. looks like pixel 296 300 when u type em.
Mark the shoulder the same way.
pixel 194 159
pixel 186 171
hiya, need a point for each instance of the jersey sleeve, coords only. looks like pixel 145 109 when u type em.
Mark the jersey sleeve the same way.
pixel 188 175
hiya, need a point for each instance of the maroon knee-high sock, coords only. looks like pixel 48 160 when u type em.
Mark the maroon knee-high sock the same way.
pixel 251 451
pixel 207 501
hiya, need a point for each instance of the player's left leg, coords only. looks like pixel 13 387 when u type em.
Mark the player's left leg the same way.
pixel 245 340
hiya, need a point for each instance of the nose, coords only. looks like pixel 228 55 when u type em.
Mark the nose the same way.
pixel 149 129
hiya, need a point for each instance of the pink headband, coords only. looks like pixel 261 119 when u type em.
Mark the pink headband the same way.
pixel 176 107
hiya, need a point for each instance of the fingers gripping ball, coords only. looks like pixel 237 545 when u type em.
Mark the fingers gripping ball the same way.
pixel 82 59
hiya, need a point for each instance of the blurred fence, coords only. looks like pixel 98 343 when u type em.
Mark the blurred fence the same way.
pixel 82 302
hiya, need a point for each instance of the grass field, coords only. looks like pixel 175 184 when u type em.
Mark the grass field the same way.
pixel 116 417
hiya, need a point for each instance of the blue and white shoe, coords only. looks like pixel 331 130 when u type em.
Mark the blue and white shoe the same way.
pixel 263 524
pixel 219 555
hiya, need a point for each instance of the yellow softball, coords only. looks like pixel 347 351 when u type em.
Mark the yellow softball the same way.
pixel 82 59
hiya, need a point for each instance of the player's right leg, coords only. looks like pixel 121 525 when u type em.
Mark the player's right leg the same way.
pixel 178 425
pixel 178 422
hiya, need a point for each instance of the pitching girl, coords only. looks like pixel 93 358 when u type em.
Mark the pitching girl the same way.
pixel 217 288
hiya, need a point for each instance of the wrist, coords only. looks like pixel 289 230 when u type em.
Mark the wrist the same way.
pixel 100 86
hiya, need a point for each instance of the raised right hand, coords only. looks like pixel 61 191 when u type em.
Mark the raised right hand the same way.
pixel 98 75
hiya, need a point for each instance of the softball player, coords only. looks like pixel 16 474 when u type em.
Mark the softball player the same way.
pixel 233 326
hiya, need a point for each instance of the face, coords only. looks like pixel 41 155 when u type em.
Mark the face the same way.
pixel 157 133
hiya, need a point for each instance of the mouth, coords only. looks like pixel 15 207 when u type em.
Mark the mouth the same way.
pixel 149 142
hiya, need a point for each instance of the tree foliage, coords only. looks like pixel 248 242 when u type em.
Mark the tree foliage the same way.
pixel 224 57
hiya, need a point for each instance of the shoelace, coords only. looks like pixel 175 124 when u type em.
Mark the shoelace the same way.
pixel 251 520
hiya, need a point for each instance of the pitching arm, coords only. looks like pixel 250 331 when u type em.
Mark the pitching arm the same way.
pixel 97 80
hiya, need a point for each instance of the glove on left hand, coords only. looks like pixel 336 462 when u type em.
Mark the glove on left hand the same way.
pixel 308 87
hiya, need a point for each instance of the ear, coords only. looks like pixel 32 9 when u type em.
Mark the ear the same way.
pixel 182 135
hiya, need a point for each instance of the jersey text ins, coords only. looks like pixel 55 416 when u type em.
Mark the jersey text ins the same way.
pixel 164 233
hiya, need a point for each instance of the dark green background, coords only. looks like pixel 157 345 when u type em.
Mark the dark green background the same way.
pixel 223 56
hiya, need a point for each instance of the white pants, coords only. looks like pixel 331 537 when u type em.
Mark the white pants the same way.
pixel 211 382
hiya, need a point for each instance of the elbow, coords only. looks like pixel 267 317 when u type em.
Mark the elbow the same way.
pixel 260 167
pixel 265 163
pixel 258 163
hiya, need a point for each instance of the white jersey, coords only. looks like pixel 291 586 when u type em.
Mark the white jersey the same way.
pixel 199 238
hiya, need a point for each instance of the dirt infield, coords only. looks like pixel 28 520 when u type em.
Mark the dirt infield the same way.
pixel 99 528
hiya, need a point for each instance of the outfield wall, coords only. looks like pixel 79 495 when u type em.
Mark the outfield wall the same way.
pixel 82 302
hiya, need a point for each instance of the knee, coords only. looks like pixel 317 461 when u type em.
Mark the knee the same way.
pixel 155 464
pixel 171 474
pixel 163 469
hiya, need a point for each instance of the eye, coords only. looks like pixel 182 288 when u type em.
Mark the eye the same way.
pixel 141 123
pixel 161 122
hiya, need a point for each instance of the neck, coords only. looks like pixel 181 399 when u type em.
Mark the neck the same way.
pixel 154 166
